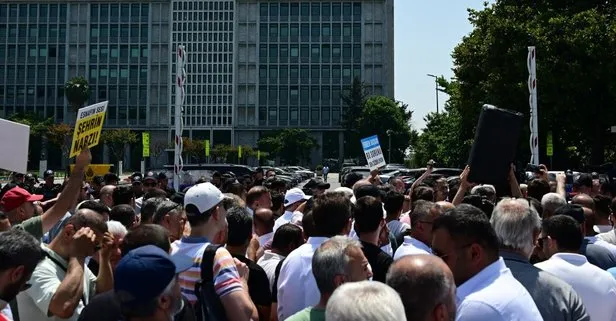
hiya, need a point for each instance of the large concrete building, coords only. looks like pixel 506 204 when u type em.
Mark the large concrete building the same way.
pixel 253 65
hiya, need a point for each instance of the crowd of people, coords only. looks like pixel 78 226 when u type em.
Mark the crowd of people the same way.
pixel 244 249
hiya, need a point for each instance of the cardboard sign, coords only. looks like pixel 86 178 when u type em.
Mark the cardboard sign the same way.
pixel 88 127
pixel 145 137
pixel 14 146
pixel 374 154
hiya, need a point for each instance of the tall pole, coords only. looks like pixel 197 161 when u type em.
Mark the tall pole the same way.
pixel 178 163
pixel 389 133
pixel 532 101
pixel 435 89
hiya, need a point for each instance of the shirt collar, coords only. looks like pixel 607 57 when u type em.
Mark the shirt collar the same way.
pixel 195 239
pixel 417 243
pixel 491 271
pixel 268 255
pixel 572 258
pixel 54 255
pixel 316 240
pixel 513 256
pixel 265 237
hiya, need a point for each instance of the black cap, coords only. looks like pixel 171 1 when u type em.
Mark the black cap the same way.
pixel 585 180
pixel 150 176
pixel 48 173
pixel 572 210
pixel 351 178
pixel 98 180
pixel 367 190
pixel 323 185
pixel 111 177
pixel 312 184
pixel 162 175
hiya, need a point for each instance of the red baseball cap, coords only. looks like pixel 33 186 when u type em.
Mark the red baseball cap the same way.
pixel 15 197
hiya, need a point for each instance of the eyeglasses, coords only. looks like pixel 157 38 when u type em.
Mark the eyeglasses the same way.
pixel 443 256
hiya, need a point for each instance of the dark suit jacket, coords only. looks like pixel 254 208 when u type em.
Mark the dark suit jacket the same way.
pixel 555 299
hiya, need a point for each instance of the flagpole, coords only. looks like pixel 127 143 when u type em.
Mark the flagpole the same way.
pixel 532 101
pixel 178 163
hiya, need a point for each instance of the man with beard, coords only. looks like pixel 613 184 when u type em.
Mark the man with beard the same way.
pixel 20 252
pixel 147 284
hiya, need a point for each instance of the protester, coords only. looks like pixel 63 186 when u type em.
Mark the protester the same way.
pixel 49 189
pixel 238 240
pixel 517 226
pixel 172 217
pixel 286 239
pixel 60 285
pixel 163 183
pixel 602 214
pixel 207 220
pixel 369 223
pixel 118 231
pixel 97 207
pixel 426 287
pixel 365 301
pixel 24 211
pixel 124 214
pixel 20 253
pixel 293 199
pixel 148 209
pixel 464 239
pixel 123 194
pixel 297 288
pixel 147 285
pixel 337 261
pixel 263 225
pixel 258 197
pixel 420 238
pixel 394 202
pixel 551 202
pixel 561 239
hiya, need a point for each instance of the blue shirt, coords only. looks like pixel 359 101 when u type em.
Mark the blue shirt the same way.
pixel 495 295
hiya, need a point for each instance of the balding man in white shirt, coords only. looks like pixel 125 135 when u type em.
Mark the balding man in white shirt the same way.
pixel 560 240
pixel 487 291
pixel 422 219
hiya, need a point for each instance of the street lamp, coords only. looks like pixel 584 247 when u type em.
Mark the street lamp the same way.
pixel 435 88
pixel 389 133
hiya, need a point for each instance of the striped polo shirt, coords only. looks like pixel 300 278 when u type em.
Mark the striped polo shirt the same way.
pixel 226 276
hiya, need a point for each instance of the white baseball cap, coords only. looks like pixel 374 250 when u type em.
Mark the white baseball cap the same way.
pixel 293 196
pixel 204 196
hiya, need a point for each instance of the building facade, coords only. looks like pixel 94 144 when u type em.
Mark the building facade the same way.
pixel 254 66
pixel 295 58
pixel 121 47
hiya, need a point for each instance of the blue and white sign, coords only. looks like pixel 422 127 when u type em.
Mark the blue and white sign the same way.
pixel 374 154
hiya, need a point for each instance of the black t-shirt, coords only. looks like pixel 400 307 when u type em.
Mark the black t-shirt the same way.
pixel 258 283
pixel 105 307
pixel 379 261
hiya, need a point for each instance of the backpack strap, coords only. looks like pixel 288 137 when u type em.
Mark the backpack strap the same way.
pixel 207 263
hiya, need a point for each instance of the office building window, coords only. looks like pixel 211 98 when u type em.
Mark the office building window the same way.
pixel 316 11
pixel 273 11
pixel 326 11
pixel 284 11
pixel 294 30
pixel 305 11
pixel 357 11
pixel 336 11
pixel 294 11
pixel 263 11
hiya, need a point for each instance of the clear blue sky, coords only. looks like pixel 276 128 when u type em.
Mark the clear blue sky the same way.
pixel 426 31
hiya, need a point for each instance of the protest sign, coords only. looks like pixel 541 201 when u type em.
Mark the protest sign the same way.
pixel 145 138
pixel 374 154
pixel 88 127
pixel 15 146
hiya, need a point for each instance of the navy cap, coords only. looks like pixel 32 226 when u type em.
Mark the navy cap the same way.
pixel 150 176
pixel 48 173
pixel 145 272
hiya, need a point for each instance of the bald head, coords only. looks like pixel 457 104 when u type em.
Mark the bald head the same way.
pixel 361 183
pixel 444 206
pixel 263 221
pixel 584 200
pixel 428 275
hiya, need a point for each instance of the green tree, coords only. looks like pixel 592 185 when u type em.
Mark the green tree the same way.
pixel 38 125
pixel 292 145
pixel 441 141
pixel 117 140
pixel 381 114
pixel 77 91
pixel 61 136
pixel 575 43
pixel 193 150
pixel 353 99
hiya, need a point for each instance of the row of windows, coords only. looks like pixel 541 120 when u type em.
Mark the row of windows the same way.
pixel 333 31
pixel 205 68
pixel 315 53
pixel 40 92
pixel 208 100
pixel 21 51
pixel 211 79
pixel 37 12
pixel 106 11
pixel 203 27
pixel 200 5
pixel 316 74
pixel 135 73
pixel 122 51
pixel 17 74
pixel 302 95
pixel 124 31
pixel 187 17
pixel 305 116
pixel 33 31
pixel 314 10
pixel 201 36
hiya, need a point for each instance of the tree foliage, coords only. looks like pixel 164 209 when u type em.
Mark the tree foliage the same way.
pixel 117 139
pixel 77 91
pixel 575 42
pixel 353 99
pixel 60 135
pixel 38 125
pixel 292 145
pixel 381 114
